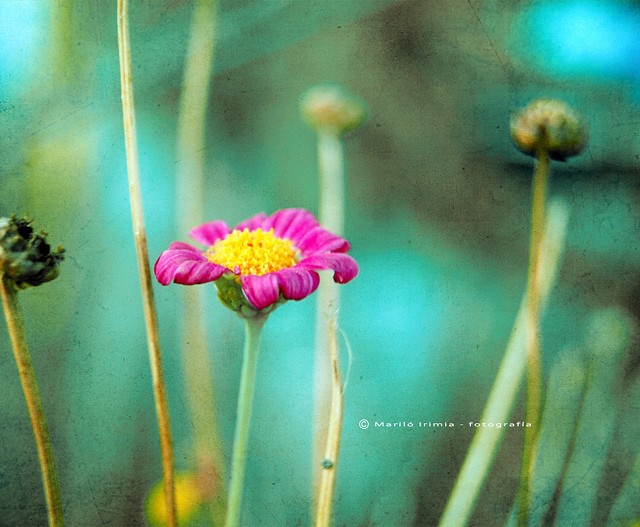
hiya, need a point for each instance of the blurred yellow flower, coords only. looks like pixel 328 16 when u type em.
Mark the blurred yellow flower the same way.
pixel 188 500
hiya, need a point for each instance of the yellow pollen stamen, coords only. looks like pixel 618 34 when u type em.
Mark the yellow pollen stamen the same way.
pixel 253 252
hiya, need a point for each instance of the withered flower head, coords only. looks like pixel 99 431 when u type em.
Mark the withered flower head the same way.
pixel 26 259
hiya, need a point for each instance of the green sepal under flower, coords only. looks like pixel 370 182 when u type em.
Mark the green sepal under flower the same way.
pixel 231 295
pixel 26 259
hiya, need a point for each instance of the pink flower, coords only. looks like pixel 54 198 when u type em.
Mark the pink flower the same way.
pixel 267 258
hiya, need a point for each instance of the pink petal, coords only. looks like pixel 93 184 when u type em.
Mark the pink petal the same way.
pixel 185 247
pixel 261 291
pixel 345 268
pixel 190 273
pixel 185 264
pixel 209 233
pixel 252 223
pixel 291 223
pixel 297 283
pixel 321 240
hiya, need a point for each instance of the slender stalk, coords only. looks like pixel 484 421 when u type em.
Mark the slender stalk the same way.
pixel 332 181
pixel 253 329
pixel 190 192
pixel 503 394
pixel 331 216
pixel 140 237
pixel 332 450
pixel 15 328
pixel 533 396
pixel 190 187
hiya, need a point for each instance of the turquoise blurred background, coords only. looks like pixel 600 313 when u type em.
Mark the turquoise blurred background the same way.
pixel 437 216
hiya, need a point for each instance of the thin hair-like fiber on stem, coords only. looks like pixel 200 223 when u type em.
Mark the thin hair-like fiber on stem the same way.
pixel 140 238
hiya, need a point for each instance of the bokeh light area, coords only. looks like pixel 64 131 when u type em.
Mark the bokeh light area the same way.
pixel 585 38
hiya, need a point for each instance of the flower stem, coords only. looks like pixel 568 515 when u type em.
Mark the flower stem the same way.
pixel 533 396
pixel 503 394
pixel 332 181
pixel 330 461
pixel 331 175
pixel 140 237
pixel 253 329
pixel 15 328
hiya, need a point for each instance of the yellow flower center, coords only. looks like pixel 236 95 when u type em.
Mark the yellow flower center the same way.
pixel 253 252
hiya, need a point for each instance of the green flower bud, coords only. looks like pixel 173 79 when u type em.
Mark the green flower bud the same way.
pixel 26 259
pixel 550 125
pixel 331 108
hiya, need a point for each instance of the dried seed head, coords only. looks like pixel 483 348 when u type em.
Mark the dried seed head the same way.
pixel 549 125
pixel 26 259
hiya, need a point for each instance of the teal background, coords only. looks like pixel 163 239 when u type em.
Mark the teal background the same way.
pixel 437 215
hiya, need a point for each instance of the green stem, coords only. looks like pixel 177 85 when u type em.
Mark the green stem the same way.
pixel 533 395
pixel 331 175
pixel 253 329
pixel 332 181
pixel 144 270
pixel 486 441
pixel 15 327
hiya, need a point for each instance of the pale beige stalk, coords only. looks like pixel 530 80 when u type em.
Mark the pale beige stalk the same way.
pixel 140 237
pixel 330 462
pixel 27 375
pixel 327 415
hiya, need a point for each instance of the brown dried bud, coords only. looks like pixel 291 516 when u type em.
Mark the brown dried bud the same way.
pixel 26 259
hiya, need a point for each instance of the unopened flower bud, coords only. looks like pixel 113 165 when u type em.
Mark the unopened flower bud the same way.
pixel 549 125
pixel 26 259
pixel 331 108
